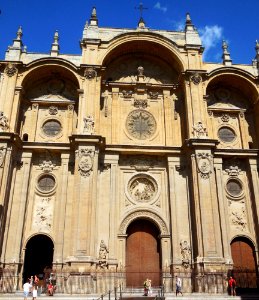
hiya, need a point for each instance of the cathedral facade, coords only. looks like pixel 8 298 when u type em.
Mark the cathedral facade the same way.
pixel 134 159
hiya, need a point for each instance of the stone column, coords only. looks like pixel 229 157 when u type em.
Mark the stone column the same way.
pixel 61 209
pixel 223 211
pixel 205 206
pixel 115 115
pixel 21 214
pixel 254 190
pixel 113 160
pixel 34 121
pixel 15 109
pixel 81 111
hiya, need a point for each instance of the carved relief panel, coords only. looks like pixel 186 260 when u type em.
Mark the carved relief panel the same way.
pixel 42 220
pixel 236 191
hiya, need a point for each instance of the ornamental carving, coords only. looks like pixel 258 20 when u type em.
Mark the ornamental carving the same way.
pixel 127 94
pixel 146 215
pixel 90 73
pixel 233 171
pixel 43 214
pixel 140 103
pixel 89 125
pixel 225 118
pixel 142 163
pixel 153 95
pixel 85 163
pixel 3 122
pixel 53 110
pixel 186 253
pixel 141 124
pixel 2 156
pixel 238 218
pixel 204 164
pixel 199 131
pixel 47 166
pixel 196 78
pixel 10 70
pixel 142 188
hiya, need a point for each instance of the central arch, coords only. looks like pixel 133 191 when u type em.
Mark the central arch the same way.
pixel 143 254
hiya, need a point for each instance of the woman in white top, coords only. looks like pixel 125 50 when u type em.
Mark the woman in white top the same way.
pixel 34 292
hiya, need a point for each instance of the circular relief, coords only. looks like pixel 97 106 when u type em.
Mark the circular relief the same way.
pixel 46 183
pixel 142 188
pixel 141 124
pixel 52 127
pixel 226 134
pixel 234 187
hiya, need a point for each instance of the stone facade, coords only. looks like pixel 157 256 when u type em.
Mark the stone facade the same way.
pixel 138 127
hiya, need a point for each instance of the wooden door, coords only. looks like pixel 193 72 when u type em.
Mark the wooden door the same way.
pixel 244 263
pixel 142 254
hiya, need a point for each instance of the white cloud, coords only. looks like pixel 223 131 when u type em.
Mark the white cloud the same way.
pixel 210 37
pixel 159 7
pixel 180 25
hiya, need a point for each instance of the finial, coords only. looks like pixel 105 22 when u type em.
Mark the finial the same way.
pixel 257 54
pixel 55 45
pixel 256 45
pixel 141 23
pixel 227 61
pixel 188 23
pixel 93 19
pixel 19 33
pixel 188 19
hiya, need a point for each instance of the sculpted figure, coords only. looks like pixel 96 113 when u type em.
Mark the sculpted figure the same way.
pixel 3 121
pixel 186 253
pixel 89 125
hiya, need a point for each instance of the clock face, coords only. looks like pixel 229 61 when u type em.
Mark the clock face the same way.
pixel 141 124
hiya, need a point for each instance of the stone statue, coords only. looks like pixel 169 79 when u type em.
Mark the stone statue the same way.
pixel 3 122
pixel 199 131
pixel 186 253
pixel 103 252
pixel 89 125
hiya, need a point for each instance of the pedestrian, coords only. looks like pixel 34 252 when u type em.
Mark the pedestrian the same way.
pixel 26 289
pixel 178 284
pixel 34 292
pixel 232 286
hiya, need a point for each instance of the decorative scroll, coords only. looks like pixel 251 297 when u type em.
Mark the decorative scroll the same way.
pixel 10 70
pixel 127 93
pixel 142 163
pixel 140 103
pixel 47 166
pixel 196 78
pixel 90 73
pixel 53 110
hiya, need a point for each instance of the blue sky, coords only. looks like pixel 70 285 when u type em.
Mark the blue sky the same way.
pixel 236 21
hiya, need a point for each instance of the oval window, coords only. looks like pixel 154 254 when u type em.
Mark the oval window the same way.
pixel 226 134
pixel 51 128
pixel 234 187
pixel 46 183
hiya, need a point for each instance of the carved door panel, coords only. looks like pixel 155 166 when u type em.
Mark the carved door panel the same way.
pixel 142 254
pixel 244 263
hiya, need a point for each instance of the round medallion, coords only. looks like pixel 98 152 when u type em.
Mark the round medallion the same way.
pixel 141 124
pixel 142 188
pixel 226 134
pixel 234 187
pixel 46 183
pixel 51 127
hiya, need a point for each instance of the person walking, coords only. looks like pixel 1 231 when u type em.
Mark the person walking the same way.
pixel 232 286
pixel 178 284
pixel 26 289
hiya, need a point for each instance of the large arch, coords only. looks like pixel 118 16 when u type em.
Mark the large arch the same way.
pixel 38 256
pixel 155 45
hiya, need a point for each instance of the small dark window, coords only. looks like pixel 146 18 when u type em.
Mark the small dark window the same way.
pixel 46 183
pixel 234 187
pixel 52 128
pixel 25 137
pixel 226 134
